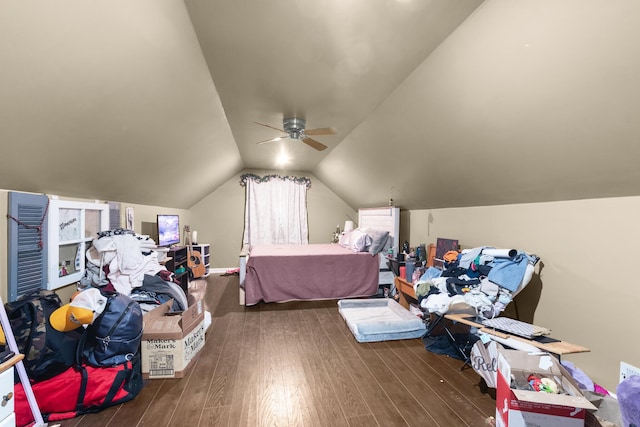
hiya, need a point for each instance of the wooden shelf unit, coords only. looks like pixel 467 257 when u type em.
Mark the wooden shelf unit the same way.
pixel 177 264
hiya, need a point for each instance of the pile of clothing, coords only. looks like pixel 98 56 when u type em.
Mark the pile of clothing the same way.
pixel 484 278
pixel 123 261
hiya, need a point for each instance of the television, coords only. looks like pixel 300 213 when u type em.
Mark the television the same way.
pixel 168 230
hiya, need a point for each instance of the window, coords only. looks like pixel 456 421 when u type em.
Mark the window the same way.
pixel 275 209
pixel 72 228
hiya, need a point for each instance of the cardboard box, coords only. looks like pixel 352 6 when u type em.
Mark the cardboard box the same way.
pixel 171 341
pixel 520 408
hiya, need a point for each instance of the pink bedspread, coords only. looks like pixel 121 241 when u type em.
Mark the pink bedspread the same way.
pixel 278 273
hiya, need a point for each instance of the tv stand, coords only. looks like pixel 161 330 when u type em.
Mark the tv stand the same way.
pixel 177 264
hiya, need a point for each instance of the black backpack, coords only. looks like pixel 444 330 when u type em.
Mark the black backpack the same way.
pixel 47 352
pixel 114 336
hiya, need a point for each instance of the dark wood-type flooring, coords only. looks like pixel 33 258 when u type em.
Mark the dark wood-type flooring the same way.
pixel 297 364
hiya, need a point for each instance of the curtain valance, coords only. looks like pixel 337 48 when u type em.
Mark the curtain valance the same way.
pixel 253 177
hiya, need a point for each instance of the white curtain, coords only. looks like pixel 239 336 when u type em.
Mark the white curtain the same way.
pixel 275 210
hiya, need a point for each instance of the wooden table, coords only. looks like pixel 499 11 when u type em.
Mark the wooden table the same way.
pixel 558 348
pixel 407 295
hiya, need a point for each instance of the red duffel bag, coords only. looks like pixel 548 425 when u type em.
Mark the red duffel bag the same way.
pixel 79 390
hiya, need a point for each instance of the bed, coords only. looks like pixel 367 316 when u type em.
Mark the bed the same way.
pixel 348 269
pixel 280 273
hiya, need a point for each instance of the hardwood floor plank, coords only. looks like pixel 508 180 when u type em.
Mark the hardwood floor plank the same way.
pixel 446 382
pixel 363 421
pixel 337 374
pixel 424 384
pixel 376 356
pixel 166 401
pixel 71 422
pixel 243 411
pixel 226 340
pixel 273 403
pixel 300 391
pixel 131 414
pixel 486 404
pixel 324 406
pixel 190 409
pixel 377 400
pixel 216 416
pixel 99 419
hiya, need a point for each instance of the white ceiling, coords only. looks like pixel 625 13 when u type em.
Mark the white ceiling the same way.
pixel 436 103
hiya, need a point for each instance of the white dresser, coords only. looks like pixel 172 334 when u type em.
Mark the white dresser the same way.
pixel 7 417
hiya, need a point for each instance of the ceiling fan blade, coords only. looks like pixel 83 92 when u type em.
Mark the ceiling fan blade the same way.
pixel 262 124
pixel 320 131
pixel 313 143
pixel 272 140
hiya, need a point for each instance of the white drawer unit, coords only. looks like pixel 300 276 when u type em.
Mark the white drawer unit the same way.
pixel 7 418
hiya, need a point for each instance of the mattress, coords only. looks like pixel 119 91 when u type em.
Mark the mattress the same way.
pixel 380 319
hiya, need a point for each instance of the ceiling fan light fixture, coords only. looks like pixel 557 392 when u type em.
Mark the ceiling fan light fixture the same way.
pixel 295 129
pixel 284 155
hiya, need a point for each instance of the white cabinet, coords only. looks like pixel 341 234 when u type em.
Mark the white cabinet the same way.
pixel 72 227
pixel 7 417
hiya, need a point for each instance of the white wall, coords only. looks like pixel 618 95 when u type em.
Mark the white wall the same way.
pixel 219 217
pixel 588 289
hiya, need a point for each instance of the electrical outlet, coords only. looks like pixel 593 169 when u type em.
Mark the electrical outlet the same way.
pixel 627 370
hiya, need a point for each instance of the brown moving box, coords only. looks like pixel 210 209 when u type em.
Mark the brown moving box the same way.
pixel 171 341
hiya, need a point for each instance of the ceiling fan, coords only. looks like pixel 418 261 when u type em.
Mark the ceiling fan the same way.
pixel 295 129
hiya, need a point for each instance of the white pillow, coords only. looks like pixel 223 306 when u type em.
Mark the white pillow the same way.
pixel 344 238
pixel 359 240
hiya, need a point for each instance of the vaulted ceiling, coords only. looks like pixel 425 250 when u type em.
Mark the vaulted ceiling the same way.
pixel 436 103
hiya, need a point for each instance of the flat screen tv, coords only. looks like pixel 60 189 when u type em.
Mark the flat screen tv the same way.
pixel 168 230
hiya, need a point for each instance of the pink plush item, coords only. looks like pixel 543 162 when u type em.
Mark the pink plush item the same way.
pixel 628 392
pixel 600 390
